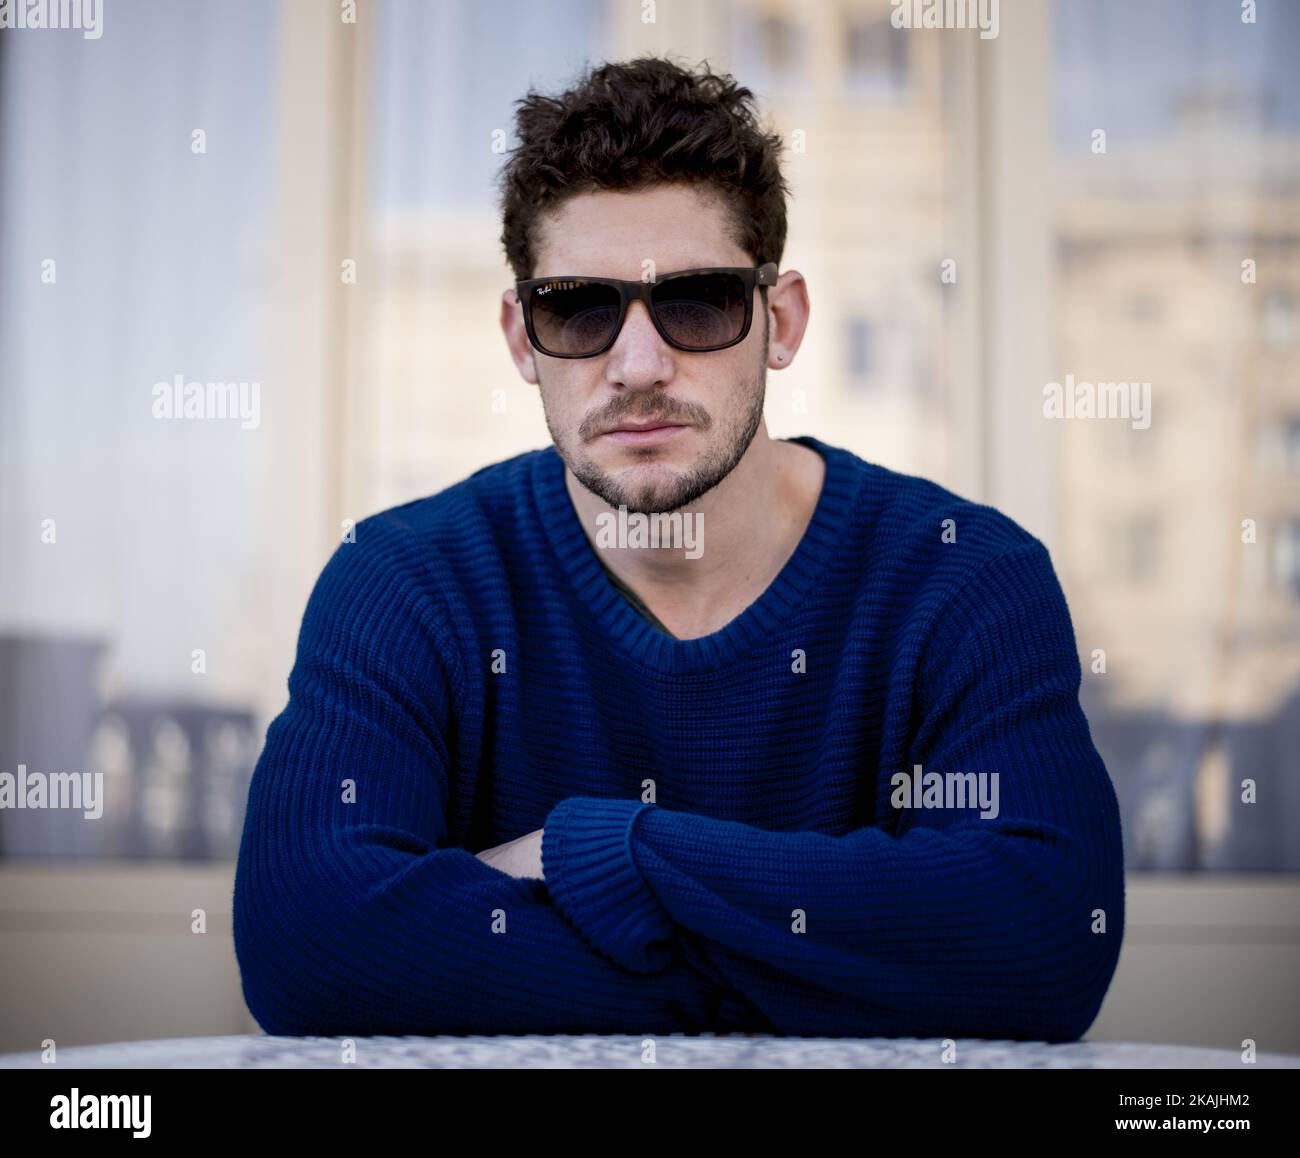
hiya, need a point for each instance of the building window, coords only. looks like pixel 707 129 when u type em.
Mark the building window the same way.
pixel 1286 556
pixel 1291 443
pixel 781 49
pixel 1279 443
pixel 1145 307
pixel 860 343
pixel 1140 548
pixel 875 60
pixel 1281 320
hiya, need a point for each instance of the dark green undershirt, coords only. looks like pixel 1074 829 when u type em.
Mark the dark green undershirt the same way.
pixel 633 598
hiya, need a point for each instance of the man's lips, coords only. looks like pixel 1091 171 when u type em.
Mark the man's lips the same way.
pixel 644 424
pixel 645 433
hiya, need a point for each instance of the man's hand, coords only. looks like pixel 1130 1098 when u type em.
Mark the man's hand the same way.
pixel 521 857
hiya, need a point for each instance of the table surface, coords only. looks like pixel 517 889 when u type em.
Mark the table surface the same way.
pixel 609 1051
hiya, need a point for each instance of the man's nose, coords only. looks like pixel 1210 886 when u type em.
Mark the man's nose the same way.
pixel 639 357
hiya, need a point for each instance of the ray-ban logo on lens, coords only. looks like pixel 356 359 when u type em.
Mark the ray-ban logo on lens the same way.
pixel 674 530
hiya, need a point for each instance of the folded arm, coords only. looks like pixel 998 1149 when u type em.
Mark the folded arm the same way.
pixel 351 913
pixel 929 922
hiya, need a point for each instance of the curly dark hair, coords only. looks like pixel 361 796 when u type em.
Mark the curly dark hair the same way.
pixel 634 124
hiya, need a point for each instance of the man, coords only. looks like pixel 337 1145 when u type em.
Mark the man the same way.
pixel 815 764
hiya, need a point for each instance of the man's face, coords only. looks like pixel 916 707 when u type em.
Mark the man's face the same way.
pixel 713 401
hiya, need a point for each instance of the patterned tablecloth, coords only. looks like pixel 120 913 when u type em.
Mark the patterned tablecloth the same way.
pixel 675 1051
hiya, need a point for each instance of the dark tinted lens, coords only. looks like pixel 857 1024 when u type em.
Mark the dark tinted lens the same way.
pixel 701 310
pixel 574 317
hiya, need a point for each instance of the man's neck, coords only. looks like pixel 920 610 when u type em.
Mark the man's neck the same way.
pixel 753 520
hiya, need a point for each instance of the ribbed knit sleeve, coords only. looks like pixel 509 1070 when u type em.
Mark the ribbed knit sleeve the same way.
pixel 586 860
pixel 352 914
pixel 931 921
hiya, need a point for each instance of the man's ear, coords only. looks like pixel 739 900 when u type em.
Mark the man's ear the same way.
pixel 512 326
pixel 789 308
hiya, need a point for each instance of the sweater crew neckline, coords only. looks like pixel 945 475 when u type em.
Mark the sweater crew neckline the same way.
pixel 777 605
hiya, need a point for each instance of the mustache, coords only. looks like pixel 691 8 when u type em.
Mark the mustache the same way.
pixel 658 410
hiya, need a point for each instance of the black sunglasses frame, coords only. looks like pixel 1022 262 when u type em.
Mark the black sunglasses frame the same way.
pixel 631 291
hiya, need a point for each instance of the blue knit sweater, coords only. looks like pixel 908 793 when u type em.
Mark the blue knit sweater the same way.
pixel 725 844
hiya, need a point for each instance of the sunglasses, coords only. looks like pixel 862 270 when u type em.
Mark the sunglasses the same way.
pixel 696 310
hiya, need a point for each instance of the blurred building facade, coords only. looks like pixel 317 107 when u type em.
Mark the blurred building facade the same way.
pixel 176 537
